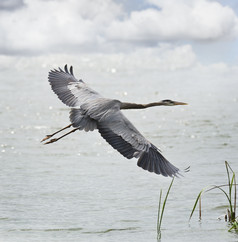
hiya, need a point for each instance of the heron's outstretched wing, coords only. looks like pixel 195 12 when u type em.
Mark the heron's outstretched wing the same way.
pixel 70 91
pixel 121 134
pixel 153 161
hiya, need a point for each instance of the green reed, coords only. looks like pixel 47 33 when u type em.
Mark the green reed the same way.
pixel 231 210
pixel 161 213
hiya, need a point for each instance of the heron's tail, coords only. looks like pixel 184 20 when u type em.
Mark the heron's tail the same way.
pixel 153 161
pixel 81 120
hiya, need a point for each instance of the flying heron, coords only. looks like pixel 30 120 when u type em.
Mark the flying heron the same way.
pixel 89 111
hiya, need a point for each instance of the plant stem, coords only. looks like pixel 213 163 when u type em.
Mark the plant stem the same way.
pixel 160 215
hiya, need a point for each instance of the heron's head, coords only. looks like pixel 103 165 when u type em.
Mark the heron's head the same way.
pixel 168 102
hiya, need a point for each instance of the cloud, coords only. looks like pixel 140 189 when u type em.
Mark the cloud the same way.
pixel 71 26
pixel 56 26
pixel 9 5
pixel 164 57
pixel 176 20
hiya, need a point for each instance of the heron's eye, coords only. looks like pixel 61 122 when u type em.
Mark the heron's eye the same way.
pixel 167 101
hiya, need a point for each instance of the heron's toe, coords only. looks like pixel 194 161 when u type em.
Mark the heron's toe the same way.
pixel 50 141
pixel 46 137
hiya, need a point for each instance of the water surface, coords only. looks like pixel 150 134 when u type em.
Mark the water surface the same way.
pixel 80 189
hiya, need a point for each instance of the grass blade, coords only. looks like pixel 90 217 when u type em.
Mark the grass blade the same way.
pixel 195 204
pixel 158 220
pixel 160 215
pixel 231 211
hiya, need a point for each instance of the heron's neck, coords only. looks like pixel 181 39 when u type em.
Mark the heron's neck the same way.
pixel 139 106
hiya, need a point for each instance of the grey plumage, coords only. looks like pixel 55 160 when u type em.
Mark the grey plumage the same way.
pixel 69 90
pixel 89 111
pixel 80 119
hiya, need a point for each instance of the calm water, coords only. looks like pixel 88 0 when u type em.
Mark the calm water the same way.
pixel 80 189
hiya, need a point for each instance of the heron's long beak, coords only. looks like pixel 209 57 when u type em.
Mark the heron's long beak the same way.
pixel 179 103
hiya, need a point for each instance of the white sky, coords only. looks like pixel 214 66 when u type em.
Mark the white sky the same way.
pixel 171 33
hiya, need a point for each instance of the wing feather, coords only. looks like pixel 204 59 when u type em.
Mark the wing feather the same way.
pixel 117 142
pixel 121 134
pixel 117 123
pixel 69 90
pixel 153 161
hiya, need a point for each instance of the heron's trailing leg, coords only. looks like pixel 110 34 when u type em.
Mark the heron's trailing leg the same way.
pixel 50 135
pixel 54 140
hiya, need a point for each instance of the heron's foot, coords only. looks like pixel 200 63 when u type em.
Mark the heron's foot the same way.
pixel 46 137
pixel 51 141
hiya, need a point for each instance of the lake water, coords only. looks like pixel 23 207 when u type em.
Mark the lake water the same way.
pixel 80 189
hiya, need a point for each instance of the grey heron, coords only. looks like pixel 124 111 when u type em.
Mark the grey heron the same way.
pixel 90 111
